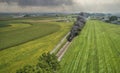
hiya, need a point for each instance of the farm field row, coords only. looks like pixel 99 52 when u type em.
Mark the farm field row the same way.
pixel 13 26
pixel 19 36
pixel 14 58
pixel 95 50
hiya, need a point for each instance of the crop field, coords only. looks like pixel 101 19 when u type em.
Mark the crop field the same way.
pixel 12 26
pixel 95 50
pixel 18 36
pixel 24 41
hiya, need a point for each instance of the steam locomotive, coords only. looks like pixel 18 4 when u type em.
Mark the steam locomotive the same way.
pixel 77 27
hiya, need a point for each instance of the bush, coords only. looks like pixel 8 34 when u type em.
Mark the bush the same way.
pixel 47 63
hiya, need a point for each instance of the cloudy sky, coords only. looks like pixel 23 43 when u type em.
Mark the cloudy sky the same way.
pixel 109 6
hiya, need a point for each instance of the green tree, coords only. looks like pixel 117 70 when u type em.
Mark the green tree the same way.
pixel 47 63
pixel 113 18
pixel 29 69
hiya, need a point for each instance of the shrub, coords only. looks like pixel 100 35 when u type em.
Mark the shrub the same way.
pixel 47 63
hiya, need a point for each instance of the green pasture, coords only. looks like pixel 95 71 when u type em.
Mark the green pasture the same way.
pixel 95 50
pixel 43 37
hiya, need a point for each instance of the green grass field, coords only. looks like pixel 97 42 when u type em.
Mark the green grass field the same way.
pixel 19 36
pixel 16 57
pixel 95 50
pixel 13 26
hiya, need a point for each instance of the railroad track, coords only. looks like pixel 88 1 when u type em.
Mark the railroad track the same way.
pixel 59 44
pixel 62 51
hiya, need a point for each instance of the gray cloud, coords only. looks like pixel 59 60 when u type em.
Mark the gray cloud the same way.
pixel 59 6
pixel 39 2
pixel 8 1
